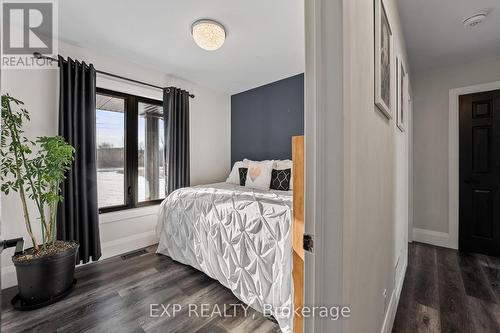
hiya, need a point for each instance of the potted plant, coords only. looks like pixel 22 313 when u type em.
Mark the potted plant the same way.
pixel 45 271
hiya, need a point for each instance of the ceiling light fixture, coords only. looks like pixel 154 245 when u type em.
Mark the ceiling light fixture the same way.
pixel 208 34
pixel 474 20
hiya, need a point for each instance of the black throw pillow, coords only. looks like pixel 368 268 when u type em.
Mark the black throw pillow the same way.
pixel 243 176
pixel 280 179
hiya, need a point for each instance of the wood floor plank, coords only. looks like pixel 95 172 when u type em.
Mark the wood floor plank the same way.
pixel 115 295
pixel 466 287
pixel 426 279
pixel 454 315
pixel 257 325
pixel 428 320
pixel 483 315
pixel 475 281
pixel 212 328
pixel 75 302
pixel 491 268
pixel 239 314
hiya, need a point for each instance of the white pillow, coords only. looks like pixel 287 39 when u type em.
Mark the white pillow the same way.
pixel 283 165
pixel 234 176
pixel 259 174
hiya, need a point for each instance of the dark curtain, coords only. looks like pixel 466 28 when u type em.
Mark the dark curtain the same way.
pixel 78 216
pixel 176 114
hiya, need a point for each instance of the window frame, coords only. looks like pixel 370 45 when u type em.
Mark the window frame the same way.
pixel 131 125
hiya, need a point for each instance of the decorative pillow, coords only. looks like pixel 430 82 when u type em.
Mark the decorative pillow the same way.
pixel 280 179
pixel 259 175
pixel 243 176
pixel 283 165
pixel 234 176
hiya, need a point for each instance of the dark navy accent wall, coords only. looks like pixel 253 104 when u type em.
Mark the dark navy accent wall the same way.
pixel 264 119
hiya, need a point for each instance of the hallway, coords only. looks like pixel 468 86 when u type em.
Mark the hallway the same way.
pixel 448 291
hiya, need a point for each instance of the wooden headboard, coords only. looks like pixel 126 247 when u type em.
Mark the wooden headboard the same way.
pixel 298 230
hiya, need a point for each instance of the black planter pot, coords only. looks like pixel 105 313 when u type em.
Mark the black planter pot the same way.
pixel 44 280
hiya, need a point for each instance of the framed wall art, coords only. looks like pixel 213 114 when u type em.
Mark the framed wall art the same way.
pixel 383 60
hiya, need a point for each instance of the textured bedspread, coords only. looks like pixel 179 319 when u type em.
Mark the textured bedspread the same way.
pixel 239 236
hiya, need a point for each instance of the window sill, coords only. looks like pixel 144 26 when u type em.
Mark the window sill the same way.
pixel 127 214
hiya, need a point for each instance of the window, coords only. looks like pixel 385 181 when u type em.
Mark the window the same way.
pixel 130 151
pixel 110 131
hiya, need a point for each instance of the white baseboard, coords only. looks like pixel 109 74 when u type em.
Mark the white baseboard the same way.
pixel 109 249
pixel 432 237
pixel 127 244
pixel 390 314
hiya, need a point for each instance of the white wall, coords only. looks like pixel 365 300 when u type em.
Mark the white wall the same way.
pixel 123 231
pixel 430 127
pixel 376 178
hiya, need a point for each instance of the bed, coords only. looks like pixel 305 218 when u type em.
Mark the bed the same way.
pixel 238 236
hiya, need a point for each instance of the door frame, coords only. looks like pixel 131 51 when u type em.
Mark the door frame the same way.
pixel 324 159
pixel 453 155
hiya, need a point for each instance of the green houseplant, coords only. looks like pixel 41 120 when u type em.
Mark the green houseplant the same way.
pixel 45 271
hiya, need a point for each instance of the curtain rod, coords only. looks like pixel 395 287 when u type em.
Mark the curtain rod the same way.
pixel 40 56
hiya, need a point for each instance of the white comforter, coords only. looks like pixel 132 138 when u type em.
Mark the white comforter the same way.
pixel 239 236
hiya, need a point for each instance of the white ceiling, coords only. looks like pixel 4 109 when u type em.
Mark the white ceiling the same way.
pixel 435 36
pixel 265 39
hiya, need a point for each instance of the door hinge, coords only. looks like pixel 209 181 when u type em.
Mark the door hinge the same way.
pixel 309 243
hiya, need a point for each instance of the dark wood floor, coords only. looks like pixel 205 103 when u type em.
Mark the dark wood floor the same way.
pixel 443 291
pixel 448 291
pixel 114 295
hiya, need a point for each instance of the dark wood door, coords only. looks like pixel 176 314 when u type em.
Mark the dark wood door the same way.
pixel 480 173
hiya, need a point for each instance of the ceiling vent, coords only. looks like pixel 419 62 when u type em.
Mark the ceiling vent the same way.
pixel 474 20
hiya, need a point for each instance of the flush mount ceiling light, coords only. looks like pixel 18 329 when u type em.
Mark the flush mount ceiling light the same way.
pixel 474 20
pixel 208 34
